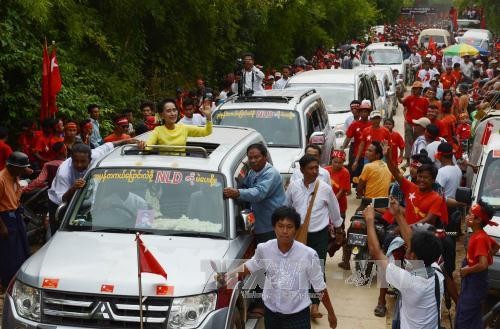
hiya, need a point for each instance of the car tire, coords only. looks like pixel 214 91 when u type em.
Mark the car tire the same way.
pixel 236 320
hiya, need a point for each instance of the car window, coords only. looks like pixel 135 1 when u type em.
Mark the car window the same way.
pixel 313 120
pixel 375 87
pixel 489 189
pixel 323 115
pixel 382 57
pixel 161 201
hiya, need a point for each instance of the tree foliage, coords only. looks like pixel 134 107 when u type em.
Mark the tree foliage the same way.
pixel 119 52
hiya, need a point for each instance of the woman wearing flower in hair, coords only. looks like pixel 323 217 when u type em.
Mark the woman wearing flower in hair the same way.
pixel 474 272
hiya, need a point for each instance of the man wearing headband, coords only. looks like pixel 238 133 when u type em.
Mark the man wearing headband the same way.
pixel 70 135
pixel 474 273
pixel 119 133
pixel 86 128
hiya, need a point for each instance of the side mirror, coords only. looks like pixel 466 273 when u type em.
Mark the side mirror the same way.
pixel 317 138
pixel 248 219
pixel 464 195
pixel 61 210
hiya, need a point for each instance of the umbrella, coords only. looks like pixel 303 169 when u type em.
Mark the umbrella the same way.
pixel 482 51
pixel 461 49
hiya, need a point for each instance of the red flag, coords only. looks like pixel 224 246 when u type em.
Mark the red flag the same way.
pixel 483 20
pixel 55 82
pixel 44 105
pixel 487 133
pixel 147 262
pixel 432 45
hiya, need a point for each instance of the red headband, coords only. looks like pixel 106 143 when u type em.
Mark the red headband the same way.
pixel 88 125
pixel 122 121
pixel 480 213
pixel 71 125
pixel 338 154
pixel 439 154
pixel 415 164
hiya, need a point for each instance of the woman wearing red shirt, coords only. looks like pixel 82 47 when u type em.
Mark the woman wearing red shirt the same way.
pixel 474 273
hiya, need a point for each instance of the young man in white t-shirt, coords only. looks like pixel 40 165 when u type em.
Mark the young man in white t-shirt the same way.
pixel 418 307
pixel 449 175
pixel 191 118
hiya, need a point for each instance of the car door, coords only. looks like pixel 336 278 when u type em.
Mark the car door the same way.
pixel 327 129
pixel 314 123
pixel 377 99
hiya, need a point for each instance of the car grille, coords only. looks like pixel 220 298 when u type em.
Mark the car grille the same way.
pixel 103 311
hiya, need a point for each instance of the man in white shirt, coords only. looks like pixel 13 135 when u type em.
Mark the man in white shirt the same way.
pixel 466 67
pixel 280 84
pixel 449 175
pixel 315 151
pixel 69 177
pixel 191 118
pixel 252 77
pixel 355 104
pixel 325 209
pixel 291 268
pixel 415 59
pixel 420 284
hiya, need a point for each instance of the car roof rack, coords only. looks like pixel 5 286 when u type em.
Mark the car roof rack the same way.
pixel 266 99
pixel 188 150
pixel 306 94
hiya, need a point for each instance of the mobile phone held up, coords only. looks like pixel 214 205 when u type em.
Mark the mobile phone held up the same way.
pixel 380 202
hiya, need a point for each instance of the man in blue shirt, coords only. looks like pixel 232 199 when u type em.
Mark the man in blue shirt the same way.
pixel 263 188
pixel 95 137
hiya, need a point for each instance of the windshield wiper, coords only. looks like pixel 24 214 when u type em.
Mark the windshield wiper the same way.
pixel 198 235
pixel 119 230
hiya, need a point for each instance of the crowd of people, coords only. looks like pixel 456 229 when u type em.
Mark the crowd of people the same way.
pixel 438 124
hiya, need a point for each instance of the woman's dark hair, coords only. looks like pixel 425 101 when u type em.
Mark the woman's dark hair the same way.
pixel 378 149
pixel 422 157
pixel 81 148
pixel 285 212
pixel 258 146
pixel 389 120
pixel 307 159
pixel 188 101
pixel 355 102
pixel 56 148
pixel 432 130
pixel 84 122
pixel 165 101
pixel 426 246
pixel 486 207
pixel 430 168
pixel 446 92
pixel 313 146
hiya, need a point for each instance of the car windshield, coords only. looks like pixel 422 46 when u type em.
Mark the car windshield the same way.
pixel 382 57
pixel 489 189
pixel 158 201
pixel 279 128
pixel 473 42
pixel 337 97
pixel 439 39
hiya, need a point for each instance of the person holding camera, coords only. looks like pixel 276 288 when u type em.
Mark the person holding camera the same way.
pixel 251 77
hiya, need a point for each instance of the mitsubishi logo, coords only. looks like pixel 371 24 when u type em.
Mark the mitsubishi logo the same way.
pixel 102 311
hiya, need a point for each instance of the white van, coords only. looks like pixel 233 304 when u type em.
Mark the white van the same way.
pixel 440 36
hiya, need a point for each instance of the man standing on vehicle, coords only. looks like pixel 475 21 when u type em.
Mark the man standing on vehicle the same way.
pixel 14 249
pixel 280 84
pixel 69 177
pixel 324 210
pixel 263 188
pixel 415 107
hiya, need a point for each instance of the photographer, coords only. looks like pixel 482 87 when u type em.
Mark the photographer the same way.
pixel 251 77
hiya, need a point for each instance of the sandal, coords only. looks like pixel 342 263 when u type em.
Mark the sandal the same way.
pixel 380 311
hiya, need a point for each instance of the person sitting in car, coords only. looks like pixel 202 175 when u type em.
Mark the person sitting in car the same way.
pixel 173 133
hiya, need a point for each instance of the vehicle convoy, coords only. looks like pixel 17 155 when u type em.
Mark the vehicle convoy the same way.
pixel 288 119
pixel 338 88
pixel 389 87
pixel 385 54
pixel 86 275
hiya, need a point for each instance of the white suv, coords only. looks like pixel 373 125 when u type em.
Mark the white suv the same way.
pixel 384 54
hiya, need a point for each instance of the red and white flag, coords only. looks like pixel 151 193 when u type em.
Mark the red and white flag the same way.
pixel 487 133
pixel 44 104
pixel 148 262
pixel 55 82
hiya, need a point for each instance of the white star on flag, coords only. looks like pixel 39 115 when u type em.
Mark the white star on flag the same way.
pixel 369 138
pixel 412 197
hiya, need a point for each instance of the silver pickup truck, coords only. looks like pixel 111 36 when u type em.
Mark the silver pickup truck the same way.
pixel 86 276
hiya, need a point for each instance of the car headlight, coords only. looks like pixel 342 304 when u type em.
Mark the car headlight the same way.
pixel 27 300
pixel 189 312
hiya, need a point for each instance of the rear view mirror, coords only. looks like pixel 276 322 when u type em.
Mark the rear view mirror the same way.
pixel 464 195
pixel 248 219
pixel 317 138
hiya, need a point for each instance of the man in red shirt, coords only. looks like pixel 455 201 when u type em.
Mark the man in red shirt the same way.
pixel 5 150
pixel 27 140
pixel 121 126
pixel 355 130
pixel 448 80
pixel 423 204
pixel 397 141
pixel 373 133
pixel 43 147
pixel 415 107
pixel 457 73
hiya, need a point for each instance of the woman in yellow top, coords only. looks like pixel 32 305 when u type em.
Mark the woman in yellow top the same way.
pixel 176 134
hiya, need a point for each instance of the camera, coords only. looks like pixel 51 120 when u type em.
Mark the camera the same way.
pixel 238 68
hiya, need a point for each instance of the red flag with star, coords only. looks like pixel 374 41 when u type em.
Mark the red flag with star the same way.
pixel 55 82
pixel 44 104
pixel 487 133
pixel 148 262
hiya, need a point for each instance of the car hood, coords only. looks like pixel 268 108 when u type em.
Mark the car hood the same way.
pixel 284 157
pixel 84 261
pixel 493 230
